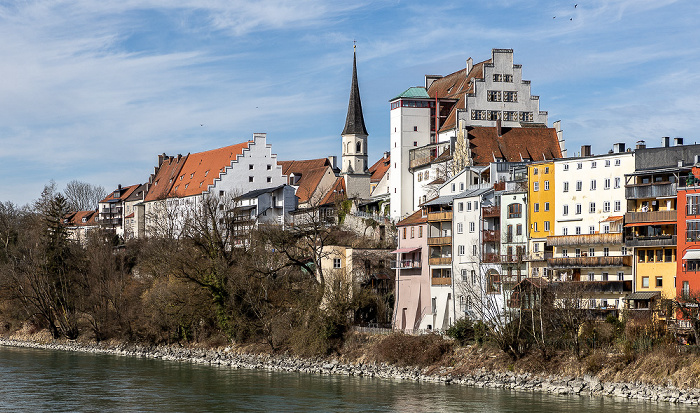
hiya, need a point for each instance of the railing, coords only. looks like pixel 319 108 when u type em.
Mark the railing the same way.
pixel 656 241
pixel 584 239
pixel 491 257
pixel 440 216
pixel 404 264
pixel 491 236
pixel 653 190
pixel 361 214
pixel 651 216
pixel 439 241
pixel 426 154
pixel 491 211
pixel 440 261
pixel 573 262
pixel 538 256
pixel 441 280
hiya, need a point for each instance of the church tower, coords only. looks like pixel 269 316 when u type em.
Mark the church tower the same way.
pixel 354 153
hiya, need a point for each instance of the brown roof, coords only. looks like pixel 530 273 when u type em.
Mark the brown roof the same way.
pixel 379 169
pixel 513 145
pixel 336 193
pixel 456 86
pixel 413 219
pixel 165 178
pixel 311 171
pixel 200 169
pixel 76 218
pixel 121 195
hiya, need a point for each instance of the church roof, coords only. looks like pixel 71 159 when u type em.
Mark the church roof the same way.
pixel 354 122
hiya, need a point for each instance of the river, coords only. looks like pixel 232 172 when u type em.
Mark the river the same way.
pixel 61 381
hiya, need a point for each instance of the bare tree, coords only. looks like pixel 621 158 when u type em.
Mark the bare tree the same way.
pixel 688 304
pixel 82 196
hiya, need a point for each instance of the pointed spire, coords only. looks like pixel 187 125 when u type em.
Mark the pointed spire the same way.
pixel 354 122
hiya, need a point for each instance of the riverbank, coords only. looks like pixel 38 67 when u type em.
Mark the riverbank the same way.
pixel 586 385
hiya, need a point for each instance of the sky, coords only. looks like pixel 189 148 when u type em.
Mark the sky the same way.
pixel 95 90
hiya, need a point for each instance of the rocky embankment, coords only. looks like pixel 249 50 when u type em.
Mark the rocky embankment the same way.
pixel 586 386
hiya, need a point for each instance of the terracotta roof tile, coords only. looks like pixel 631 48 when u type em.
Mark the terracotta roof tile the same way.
pixel 311 171
pixel 536 144
pixel 76 218
pixel 125 193
pixel 379 169
pixel 165 178
pixel 336 193
pixel 413 219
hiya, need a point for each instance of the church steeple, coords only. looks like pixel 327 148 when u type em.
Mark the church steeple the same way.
pixel 354 159
pixel 354 122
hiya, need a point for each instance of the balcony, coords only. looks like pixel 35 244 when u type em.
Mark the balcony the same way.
pixel 584 239
pixel 440 216
pixel 441 281
pixel 423 156
pixel 405 264
pixel 653 190
pixel 538 256
pixel 491 236
pixel 590 262
pixel 440 261
pixel 651 216
pixel 440 241
pixel 491 257
pixel 655 241
pixel 491 211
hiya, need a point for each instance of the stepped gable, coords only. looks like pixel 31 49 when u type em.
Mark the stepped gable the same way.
pixel 354 121
pixel 201 169
pixel 456 86
pixel 165 178
pixel 514 144
pixel 311 171
pixel 379 169
pixel 337 192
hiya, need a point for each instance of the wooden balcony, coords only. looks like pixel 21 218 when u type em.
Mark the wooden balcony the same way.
pixel 584 239
pixel 651 216
pixel 652 190
pixel 441 281
pixel 440 261
pixel 439 216
pixel 491 211
pixel 491 236
pixel 440 241
pixel 656 241
pixel 590 262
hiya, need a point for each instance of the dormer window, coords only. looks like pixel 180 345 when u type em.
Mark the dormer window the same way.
pixel 206 173
pixel 84 219
pixel 192 175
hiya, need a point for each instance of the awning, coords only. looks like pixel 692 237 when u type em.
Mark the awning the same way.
pixel 692 255
pixel 644 224
pixel 405 250
pixel 644 295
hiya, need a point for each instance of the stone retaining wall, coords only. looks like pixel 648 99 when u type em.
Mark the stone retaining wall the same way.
pixel 585 386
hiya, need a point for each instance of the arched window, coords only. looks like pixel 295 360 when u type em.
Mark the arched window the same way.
pixel 359 147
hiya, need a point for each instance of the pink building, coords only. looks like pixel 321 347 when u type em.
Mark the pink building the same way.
pixel 412 276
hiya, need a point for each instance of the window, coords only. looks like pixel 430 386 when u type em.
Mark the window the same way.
pixel 536 207
pixel 546 226
pixel 593 185
pixel 659 281
pixel 645 282
pixel 546 169
pixel 591 229
pixel 460 250
pixel 336 262
pixel 519 229
pixel 566 210
pixel 693 204
pixel 510 115
pixel 469 206
pixel 250 179
pixel 591 276
pixel 578 209
pixel 478 114
pixel 606 206
pixel 415 129
pixel 591 207
pixel 472 227
pixel 464 275
pixel 420 232
pixel 686 289
pixel 606 252
pixel 607 183
pixel 534 226
pixel 460 228
pixel 454 188
pixel 641 256
pixel 546 185
pixel 536 186
pixel 269 167
pixel 604 276
pixel 474 250
pixel 250 166
pixel 514 210
pixel 564 252
pixel 668 255
pixel 508 78
pixel 493 95
pixel 617 183
pixel 269 179
pixel 566 166
pixel 460 207
pixel 593 164
pixel 579 165
pixel 461 186
pixel 413 232
pixel 578 230
pixel 617 162
pixel 526 117
pixel 565 231
pixel 497 77
pixel 535 171
pixel 510 96
pixel 579 185
pixel 404 233
pixel 618 206
pixel 607 163
pixel 473 277
pixel 546 206
pixel 591 252
pixel 536 246
pixel 493 115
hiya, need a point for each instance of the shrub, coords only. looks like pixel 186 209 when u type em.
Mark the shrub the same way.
pixel 405 350
pixel 462 331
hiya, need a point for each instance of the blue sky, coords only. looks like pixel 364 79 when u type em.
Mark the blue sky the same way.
pixel 95 90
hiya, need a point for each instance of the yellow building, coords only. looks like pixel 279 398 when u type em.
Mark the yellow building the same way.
pixel 540 215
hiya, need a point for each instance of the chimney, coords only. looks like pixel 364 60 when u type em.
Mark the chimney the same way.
pixel 499 132
pixel 677 141
pixel 641 145
pixel 585 150
pixel 470 64
pixel 619 147
pixel 386 155
pixel 332 160
pixel 179 156
pixel 665 142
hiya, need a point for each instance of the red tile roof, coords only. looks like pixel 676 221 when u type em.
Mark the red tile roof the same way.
pixel 125 192
pixel 200 169
pixel 76 218
pixel 379 169
pixel 337 192
pixel 535 143
pixel 311 171
pixel 413 219
pixel 165 178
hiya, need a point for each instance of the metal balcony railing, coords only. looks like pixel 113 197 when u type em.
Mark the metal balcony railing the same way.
pixel 405 264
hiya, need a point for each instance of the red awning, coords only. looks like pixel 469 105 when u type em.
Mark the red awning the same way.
pixel 405 250
pixel 644 224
